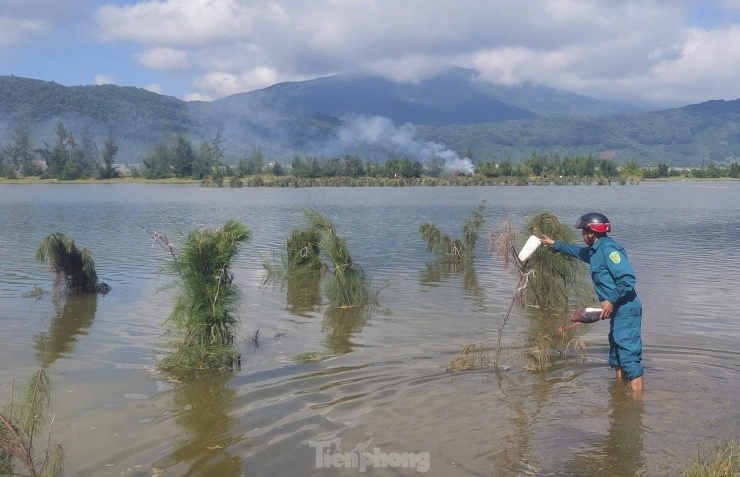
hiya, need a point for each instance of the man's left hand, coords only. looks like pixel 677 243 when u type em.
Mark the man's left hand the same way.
pixel 606 310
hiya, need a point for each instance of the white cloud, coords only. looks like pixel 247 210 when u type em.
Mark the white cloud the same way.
pixel 197 97
pixel 154 88
pixel 15 30
pixel 217 85
pixel 630 48
pixel 172 22
pixel 506 66
pixel 165 59
pixel 22 21
pixel 709 66
pixel 730 4
pixel 408 69
pixel 105 79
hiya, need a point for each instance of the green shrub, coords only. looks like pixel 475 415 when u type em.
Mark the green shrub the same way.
pixel 724 463
pixel 21 423
pixel 74 268
pixel 462 248
pixel 207 300
pixel 556 277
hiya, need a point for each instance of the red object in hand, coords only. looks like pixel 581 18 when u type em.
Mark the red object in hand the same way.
pixel 586 315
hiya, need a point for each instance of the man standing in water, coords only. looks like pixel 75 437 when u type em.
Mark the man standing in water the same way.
pixel 614 282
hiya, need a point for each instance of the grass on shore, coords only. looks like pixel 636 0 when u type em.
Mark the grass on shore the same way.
pixel 723 462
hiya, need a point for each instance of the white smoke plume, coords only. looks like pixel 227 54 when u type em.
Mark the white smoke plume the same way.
pixel 463 165
pixel 360 132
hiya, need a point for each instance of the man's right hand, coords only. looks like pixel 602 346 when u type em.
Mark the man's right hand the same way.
pixel 547 241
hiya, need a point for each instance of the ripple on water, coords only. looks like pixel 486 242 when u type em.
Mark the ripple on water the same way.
pixel 384 385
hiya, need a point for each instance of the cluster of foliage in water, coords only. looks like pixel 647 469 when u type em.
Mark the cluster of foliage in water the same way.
pixel 74 268
pixel 347 284
pixel 546 281
pixel 207 301
pixel 451 248
pixel 317 252
pixel 555 279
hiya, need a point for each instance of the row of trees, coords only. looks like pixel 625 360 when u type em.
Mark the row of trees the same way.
pixel 709 171
pixel 353 166
pixel 68 158
pixel 176 157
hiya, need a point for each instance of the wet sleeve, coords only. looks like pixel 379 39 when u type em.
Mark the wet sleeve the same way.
pixel 581 253
pixel 622 273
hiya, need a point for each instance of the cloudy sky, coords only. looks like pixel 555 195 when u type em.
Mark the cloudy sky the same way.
pixel 638 50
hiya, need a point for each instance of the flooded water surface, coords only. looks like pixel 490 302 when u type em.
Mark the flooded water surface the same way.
pixel 381 402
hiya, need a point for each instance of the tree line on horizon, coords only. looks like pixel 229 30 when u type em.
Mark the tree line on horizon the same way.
pixel 680 137
pixel 69 158
pixel 175 156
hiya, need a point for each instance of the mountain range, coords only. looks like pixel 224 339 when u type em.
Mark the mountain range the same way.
pixel 376 118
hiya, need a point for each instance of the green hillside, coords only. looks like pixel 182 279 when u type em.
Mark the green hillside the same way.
pixel 685 136
pixel 453 97
pixel 288 119
pixel 140 119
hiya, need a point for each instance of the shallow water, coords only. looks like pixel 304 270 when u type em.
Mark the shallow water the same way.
pixel 384 386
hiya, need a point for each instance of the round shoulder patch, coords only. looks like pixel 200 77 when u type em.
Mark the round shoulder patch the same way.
pixel 615 257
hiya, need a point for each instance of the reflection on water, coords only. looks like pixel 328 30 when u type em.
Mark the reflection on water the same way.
pixel 619 452
pixel 201 405
pixel 516 446
pixel 340 325
pixel 303 293
pixel 527 400
pixel 547 426
pixel 386 380
pixel 442 270
pixel 74 315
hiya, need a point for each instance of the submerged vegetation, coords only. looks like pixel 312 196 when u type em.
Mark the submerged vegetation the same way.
pixel 21 429
pixel 347 284
pixel 463 248
pixel 74 268
pixel 37 292
pixel 546 344
pixel 724 462
pixel 504 246
pixel 471 357
pixel 340 325
pixel 317 252
pixel 310 357
pixel 205 316
pixel 304 252
pixel 207 300
pixel 540 352
pixel 317 264
pixel 545 281
pixel 303 258
pixel 557 278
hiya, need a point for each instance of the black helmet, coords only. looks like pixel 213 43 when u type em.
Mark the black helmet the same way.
pixel 594 221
